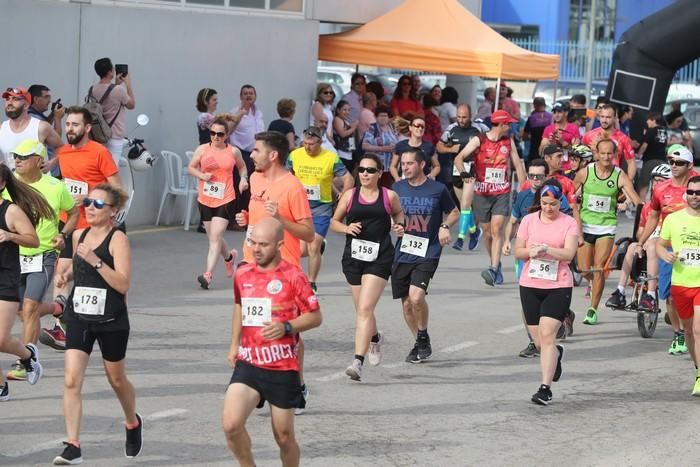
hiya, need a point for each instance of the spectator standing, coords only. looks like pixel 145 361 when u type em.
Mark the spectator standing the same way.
pixel 404 103
pixel 507 103
pixel 447 111
pixel 560 132
pixel 433 130
pixel 344 134
pixel 367 117
pixel 207 100
pixel 652 150
pixel 380 138
pixel 323 106
pixel 486 108
pixel 354 97
pixel 41 100
pixel 286 108
pixel 119 95
pixel 538 120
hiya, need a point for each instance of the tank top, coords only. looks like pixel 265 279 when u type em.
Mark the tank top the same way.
pixel 373 244
pixel 599 203
pixel 9 256
pixel 491 162
pixel 9 140
pixel 92 299
pixel 219 189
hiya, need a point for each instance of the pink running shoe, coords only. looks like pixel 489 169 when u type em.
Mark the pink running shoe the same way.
pixel 231 264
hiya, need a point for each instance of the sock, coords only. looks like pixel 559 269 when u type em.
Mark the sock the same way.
pixel 679 333
pixel 375 338
pixel 530 337
pixel 544 386
pixel 360 358
pixel 465 219
pixel 621 289
pixel 131 426
pixel 422 334
pixel 230 257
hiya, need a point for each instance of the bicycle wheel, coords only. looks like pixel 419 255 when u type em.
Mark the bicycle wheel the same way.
pixel 646 322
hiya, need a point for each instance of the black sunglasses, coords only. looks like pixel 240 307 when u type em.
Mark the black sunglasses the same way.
pixel 536 176
pixel 692 192
pixel 676 162
pixel 22 158
pixel 369 170
pixel 220 134
pixel 98 203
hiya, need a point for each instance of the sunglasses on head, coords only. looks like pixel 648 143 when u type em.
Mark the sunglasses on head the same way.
pixel 369 170
pixel 98 203
pixel 536 176
pixel 220 134
pixel 22 158
pixel 418 125
pixel 692 192
pixel 677 162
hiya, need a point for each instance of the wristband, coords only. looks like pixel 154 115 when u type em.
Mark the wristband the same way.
pixel 463 175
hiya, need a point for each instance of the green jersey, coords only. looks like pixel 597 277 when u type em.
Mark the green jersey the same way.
pixel 599 204
pixel 683 231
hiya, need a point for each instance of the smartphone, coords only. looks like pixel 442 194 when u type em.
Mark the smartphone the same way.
pixel 121 69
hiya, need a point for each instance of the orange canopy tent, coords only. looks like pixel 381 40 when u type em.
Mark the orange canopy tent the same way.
pixel 438 36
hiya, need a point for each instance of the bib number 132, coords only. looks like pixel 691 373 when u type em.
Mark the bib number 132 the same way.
pixel 413 245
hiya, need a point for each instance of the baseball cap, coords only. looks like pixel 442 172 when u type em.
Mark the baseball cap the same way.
pixel 17 92
pixel 680 152
pixel 501 116
pixel 551 149
pixel 314 131
pixel 560 107
pixel 30 147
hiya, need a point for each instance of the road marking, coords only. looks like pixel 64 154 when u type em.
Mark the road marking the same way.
pixel 165 414
pixel 458 347
pixel 511 329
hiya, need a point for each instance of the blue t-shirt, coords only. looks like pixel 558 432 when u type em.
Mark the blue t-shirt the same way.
pixel 423 207
pixel 521 207
pixel 427 148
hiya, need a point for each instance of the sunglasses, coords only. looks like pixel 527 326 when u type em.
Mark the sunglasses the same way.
pixel 692 192
pixel 369 170
pixel 328 92
pixel 676 162
pixel 419 126
pixel 22 158
pixel 220 134
pixel 98 203
pixel 536 176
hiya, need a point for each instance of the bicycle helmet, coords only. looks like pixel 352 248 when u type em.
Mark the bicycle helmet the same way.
pixel 582 151
pixel 661 170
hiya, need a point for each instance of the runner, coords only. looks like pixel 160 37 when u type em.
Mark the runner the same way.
pixel 607 130
pixel 600 186
pixel 425 202
pixel 37 264
pixel 368 211
pixel 276 192
pixel 274 303
pixel 547 241
pixel 315 168
pixel 212 164
pixel 17 221
pixel 617 300
pixel 98 312
pixel 681 230
pixel 493 153
pixel 666 198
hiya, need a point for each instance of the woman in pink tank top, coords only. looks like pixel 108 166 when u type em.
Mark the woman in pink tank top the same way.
pixel 213 164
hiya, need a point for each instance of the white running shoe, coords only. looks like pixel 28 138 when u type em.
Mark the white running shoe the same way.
pixel 375 351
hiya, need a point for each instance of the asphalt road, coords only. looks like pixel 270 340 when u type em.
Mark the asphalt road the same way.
pixel 622 400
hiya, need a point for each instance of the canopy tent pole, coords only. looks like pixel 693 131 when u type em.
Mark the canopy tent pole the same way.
pixel 498 93
pixel 556 85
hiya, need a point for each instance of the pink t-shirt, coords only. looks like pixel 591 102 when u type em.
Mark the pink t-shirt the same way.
pixel 534 232
pixel 114 102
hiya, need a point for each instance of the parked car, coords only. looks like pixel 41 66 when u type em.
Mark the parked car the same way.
pixel 691 113
pixel 341 76
pixel 388 81
pixel 545 88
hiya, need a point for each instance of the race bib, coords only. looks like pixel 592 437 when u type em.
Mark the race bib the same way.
pixel 417 246
pixel 364 250
pixel 313 192
pixel 75 187
pixel 656 232
pixel 29 264
pixel 351 144
pixel 543 269
pixel 467 168
pixel 495 175
pixel 690 257
pixel 89 301
pixel 214 189
pixel 598 203
pixel 256 311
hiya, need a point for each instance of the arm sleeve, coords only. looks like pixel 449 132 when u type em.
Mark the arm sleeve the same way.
pixel 106 163
pixel 666 228
pixel 66 201
pixel 299 204
pixel 120 94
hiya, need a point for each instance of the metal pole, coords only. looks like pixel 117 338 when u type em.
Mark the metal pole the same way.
pixel 591 42
pixel 498 93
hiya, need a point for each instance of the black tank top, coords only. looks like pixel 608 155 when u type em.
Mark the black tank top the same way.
pixel 9 254
pixel 376 225
pixel 85 275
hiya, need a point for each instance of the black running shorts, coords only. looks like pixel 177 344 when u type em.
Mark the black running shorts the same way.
pixel 553 303
pixel 280 388
pixel 404 275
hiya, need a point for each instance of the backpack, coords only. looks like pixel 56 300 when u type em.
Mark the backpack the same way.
pixel 101 130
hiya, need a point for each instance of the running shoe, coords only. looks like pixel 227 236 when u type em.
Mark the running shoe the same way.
pixel 134 439
pixel 412 356
pixel 458 244
pixel 304 399
pixel 354 371
pixel 557 370
pixel 424 349
pixel 499 275
pixel 314 288
pixel 474 238
pixel 17 372
pixel 530 351
pixel 204 280
pixel 591 317
pixel 54 338
pixel 696 388
pixel 617 300
pixel 569 320
pixel 230 265
pixel 489 276
pixel 5 393
pixel 681 347
pixel 375 350
pixel 60 303
pixel 647 303
pixel 672 350
pixel 71 455
pixel 543 396
pixel 32 365
pixel 561 332
pixel 588 291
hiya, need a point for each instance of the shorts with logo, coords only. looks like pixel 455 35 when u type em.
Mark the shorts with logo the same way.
pixel 404 275
pixel 484 207
pixel 33 285
pixel 592 238
pixel 552 303
pixel 685 299
pixel 82 336
pixel 225 211
pixel 280 388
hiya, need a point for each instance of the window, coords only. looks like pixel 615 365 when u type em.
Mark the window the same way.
pixel 207 2
pixel 258 4
pixel 287 5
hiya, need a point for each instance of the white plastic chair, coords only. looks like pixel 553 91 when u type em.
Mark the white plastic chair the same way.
pixel 174 185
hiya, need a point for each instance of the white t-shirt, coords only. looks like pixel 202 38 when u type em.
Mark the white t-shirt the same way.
pixel 9 140
pixel 447 113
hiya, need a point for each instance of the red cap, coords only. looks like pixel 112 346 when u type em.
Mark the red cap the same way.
pixel 501 116
pixel 17 92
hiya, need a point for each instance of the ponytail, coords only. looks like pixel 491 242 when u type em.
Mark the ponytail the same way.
pixel 29 200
